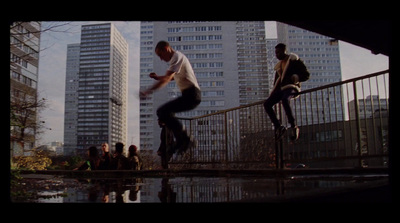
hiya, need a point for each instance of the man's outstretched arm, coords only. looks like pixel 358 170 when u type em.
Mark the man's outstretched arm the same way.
pixel 161 82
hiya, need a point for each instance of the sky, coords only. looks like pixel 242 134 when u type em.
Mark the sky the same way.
pixel 355 61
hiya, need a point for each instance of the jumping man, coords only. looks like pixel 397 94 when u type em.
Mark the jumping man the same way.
pixel 181 71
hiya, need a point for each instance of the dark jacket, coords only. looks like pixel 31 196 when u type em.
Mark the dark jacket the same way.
pixel 105 161
pixel 283 78
pixel 119 162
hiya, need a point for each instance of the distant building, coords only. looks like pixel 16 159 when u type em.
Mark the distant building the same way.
pixel 96 90
pixel 71 99
pixel 371 106
pixel 53 149
pixel 271 60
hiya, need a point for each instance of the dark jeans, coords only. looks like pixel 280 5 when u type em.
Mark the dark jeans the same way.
pixel 274 98
pixel 189 100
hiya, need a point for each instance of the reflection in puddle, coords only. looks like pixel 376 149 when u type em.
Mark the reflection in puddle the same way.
pixel 181 189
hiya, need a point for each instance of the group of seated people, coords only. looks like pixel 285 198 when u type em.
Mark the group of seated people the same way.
pixel 108 161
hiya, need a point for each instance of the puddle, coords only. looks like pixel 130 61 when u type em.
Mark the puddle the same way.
pixel 55 189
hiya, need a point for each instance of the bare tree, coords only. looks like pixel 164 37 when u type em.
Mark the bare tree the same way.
pixel 24 106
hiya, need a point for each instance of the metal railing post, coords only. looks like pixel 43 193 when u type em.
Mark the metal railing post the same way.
pixel 226 136
pixel 358 124
pixel 279 144
pixel 191 132
pixel 280 141
pixel 276 151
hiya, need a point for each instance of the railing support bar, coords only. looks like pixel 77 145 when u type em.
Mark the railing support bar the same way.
pixel 226 136
pixel 358 124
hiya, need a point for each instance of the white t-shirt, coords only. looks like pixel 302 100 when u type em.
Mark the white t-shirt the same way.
pixel 184 75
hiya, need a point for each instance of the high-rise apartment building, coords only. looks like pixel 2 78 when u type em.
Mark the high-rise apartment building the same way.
pixel 24 74
pixel 252 61
pixel 147 121
pixel 228 58
pixel 271 60
pixel 322 58
pixel 71 99
pixel 100 85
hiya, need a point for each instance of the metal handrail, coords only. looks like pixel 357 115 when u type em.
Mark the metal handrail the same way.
pixel 302 92
pixel 240 137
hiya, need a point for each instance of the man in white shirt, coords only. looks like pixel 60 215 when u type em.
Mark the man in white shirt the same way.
pixel 181 71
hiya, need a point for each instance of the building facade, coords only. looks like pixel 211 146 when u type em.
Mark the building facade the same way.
pixel 96 89
pixel 146 67
pixel 371 106
pixel 71 99
pixel 272 60
pixel 252 61
pixel 24 74
pixel 228 58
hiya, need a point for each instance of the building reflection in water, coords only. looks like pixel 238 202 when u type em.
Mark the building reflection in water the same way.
pixel 191 189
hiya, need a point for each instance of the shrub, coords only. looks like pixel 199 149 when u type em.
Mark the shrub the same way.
pixel 38 161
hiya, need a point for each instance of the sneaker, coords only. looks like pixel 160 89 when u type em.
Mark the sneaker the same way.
pixel 294 133
pixel 279 132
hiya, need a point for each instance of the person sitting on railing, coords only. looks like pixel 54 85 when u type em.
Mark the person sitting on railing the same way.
pixel 289 72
